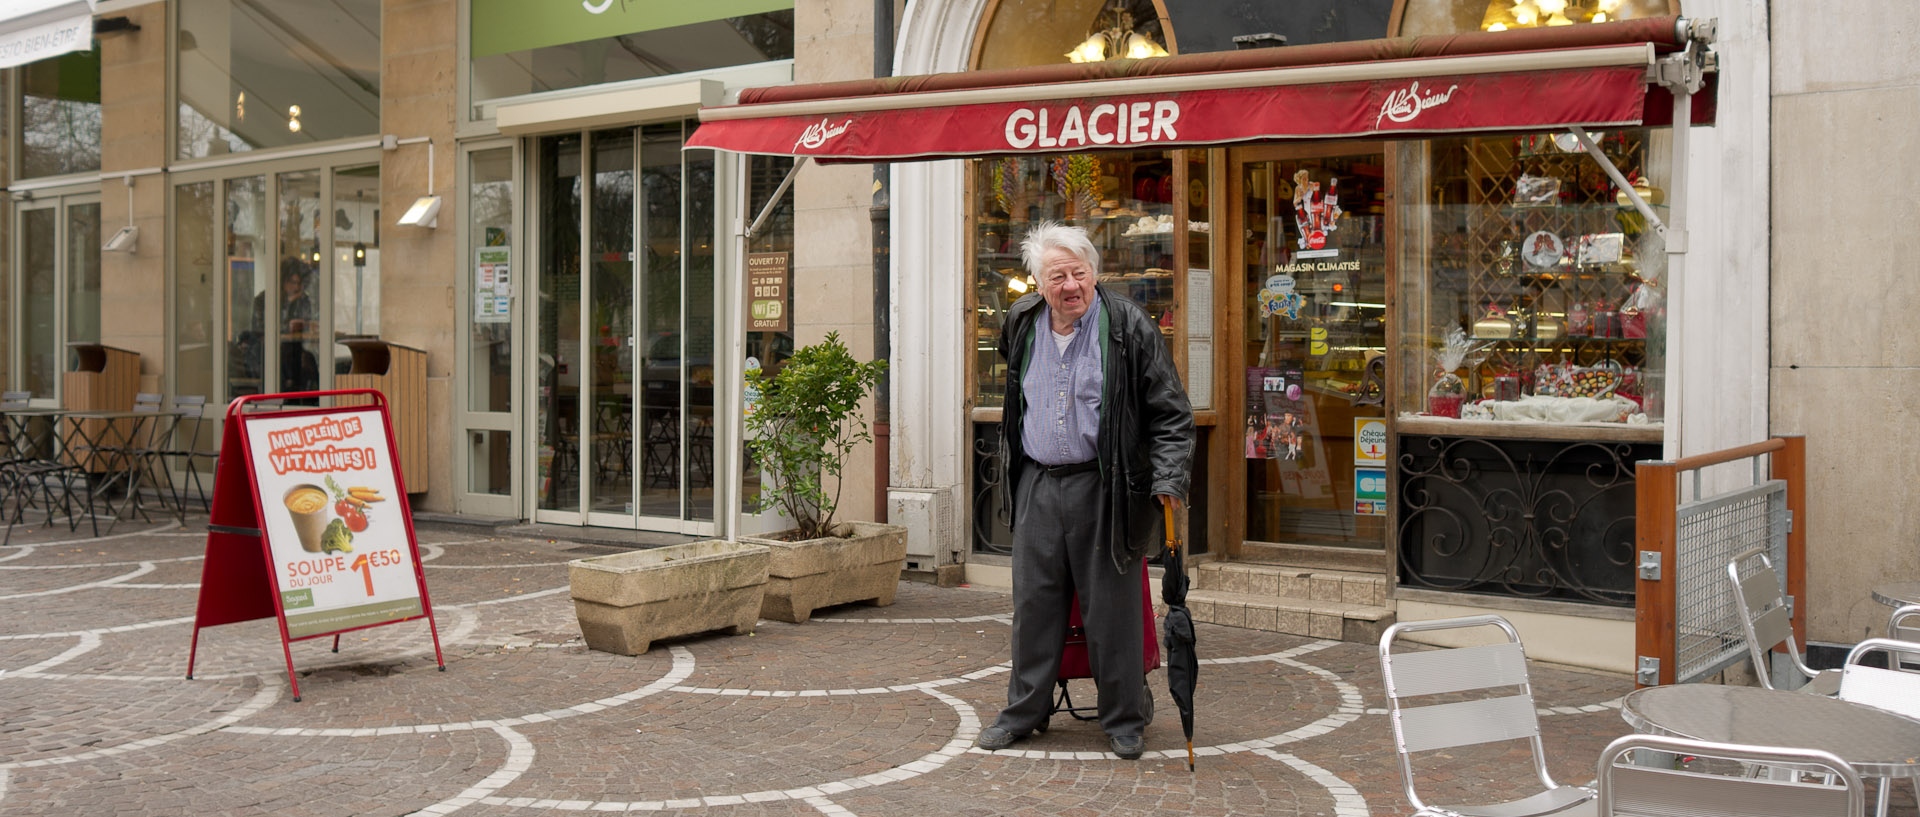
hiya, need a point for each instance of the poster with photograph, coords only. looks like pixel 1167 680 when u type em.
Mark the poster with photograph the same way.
pixel 1276 413
pixel 342 556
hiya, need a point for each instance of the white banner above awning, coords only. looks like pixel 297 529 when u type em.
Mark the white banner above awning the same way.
pixel 33 30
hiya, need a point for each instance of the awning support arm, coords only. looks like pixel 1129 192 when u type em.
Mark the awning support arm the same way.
pixel 774 200
pixel 1619 179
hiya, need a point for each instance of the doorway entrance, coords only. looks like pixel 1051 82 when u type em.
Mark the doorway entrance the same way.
pixel 1315 270
pixel 624 380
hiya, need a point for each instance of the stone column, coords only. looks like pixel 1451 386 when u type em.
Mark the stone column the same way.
pixel 418 68
pixel 133 137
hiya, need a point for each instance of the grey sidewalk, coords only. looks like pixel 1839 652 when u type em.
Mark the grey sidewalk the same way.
pixel 863 711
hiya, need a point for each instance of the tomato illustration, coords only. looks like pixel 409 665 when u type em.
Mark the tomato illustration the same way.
pixel 342 508
pixel 356 521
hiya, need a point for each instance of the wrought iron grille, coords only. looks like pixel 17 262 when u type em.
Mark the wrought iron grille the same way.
pixel 1711 531
pixel 1526 518
pixel 992 515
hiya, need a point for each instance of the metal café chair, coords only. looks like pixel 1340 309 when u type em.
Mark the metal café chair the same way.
pixel 1478 703
pixel 1766 621
pixel 1889 689
pixel 1904 625
pixel 1657 789
pixel 185 448
pixel 136 451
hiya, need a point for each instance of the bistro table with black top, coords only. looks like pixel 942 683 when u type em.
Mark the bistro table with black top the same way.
pixel 1878 743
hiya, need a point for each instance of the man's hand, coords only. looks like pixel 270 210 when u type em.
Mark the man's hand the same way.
pixel 1168 501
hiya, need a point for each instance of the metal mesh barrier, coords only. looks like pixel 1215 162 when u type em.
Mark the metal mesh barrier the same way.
pixel 1711 531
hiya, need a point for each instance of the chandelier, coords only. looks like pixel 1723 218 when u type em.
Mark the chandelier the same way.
pixel 1502 15
pixel 1116 41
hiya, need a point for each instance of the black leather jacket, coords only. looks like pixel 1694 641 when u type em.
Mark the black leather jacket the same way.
pixel 1146 424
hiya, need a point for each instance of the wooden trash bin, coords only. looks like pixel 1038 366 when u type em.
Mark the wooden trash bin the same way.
pixel 104 378
pixel 400 373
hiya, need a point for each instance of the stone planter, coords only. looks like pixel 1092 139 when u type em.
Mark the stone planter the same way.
pixel 805 576
pixel 627 601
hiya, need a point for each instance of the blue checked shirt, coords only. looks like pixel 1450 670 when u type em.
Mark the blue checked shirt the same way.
pixel 1062 389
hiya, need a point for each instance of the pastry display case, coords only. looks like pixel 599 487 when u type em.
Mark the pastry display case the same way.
pixel 1534 292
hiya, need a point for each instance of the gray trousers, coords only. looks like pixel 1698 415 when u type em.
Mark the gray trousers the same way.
pixel 1059 548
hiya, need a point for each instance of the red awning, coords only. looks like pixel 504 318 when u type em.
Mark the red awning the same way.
pixel 1595 76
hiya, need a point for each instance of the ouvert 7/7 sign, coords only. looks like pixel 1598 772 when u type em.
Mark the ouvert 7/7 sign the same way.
pixel 502 26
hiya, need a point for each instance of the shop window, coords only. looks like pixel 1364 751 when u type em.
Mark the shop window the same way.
pixel 59 115
pixel 574 46
pixel 1421 17
pixel 1531 291
pixel 1125 202
pixel 275 73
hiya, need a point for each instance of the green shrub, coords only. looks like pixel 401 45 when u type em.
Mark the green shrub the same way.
pixel 805 423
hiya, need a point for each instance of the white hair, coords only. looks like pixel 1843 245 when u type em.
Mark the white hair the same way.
pixel 1052 235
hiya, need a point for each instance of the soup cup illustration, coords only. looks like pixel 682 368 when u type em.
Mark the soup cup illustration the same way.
pixel 307 505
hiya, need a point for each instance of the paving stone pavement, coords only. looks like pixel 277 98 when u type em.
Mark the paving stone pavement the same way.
pixel 863 711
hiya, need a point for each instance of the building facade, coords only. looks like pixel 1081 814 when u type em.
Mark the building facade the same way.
pixel 563 291
pixel 575 306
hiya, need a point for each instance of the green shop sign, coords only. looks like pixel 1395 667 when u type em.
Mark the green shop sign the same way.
pixel 501 26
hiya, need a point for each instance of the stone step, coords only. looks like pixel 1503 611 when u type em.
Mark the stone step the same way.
pixel 1258 579
pixel 1341 621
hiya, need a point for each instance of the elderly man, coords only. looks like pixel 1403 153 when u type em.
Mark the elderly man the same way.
pixel 1097 427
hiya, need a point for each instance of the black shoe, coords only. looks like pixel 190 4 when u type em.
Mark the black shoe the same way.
pixel 993 738
pixel 1128 747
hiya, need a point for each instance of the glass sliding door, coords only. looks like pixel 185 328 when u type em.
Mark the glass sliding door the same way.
pixel 246 285
pixel 295 312
pixel 557 381
pixel 625 323
pixel 197 255
pixel 662 441
pixel 608 417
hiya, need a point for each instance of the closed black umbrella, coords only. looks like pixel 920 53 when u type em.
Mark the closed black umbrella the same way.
pixel 1183 664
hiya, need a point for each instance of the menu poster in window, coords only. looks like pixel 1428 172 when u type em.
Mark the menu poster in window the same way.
pixel 767 292
pixel 342 553
pixel 492 285
pixel 1276 414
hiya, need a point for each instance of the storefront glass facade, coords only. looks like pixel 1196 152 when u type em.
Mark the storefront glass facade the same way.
pixel 274 73
pixel 1442 354
pixel 521 48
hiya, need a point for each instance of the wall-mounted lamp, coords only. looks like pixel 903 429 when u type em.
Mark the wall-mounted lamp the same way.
pixel 424 210
pixel 123 240
pixel 359 253
pixel 127 237
pixel 1017 284
pixel 423 213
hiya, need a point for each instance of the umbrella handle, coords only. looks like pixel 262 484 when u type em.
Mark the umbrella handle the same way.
pixel 1173 535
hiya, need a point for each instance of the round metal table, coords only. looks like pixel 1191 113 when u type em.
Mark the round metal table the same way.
pixel 1897 594
pixel 1878 743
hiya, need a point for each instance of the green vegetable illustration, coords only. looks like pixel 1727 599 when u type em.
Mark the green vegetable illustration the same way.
pixel 336 537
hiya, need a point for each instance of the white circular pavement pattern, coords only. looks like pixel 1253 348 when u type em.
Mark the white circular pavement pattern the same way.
pixel 459 622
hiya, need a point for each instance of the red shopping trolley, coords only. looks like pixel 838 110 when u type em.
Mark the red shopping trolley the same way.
pixel 1075 664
